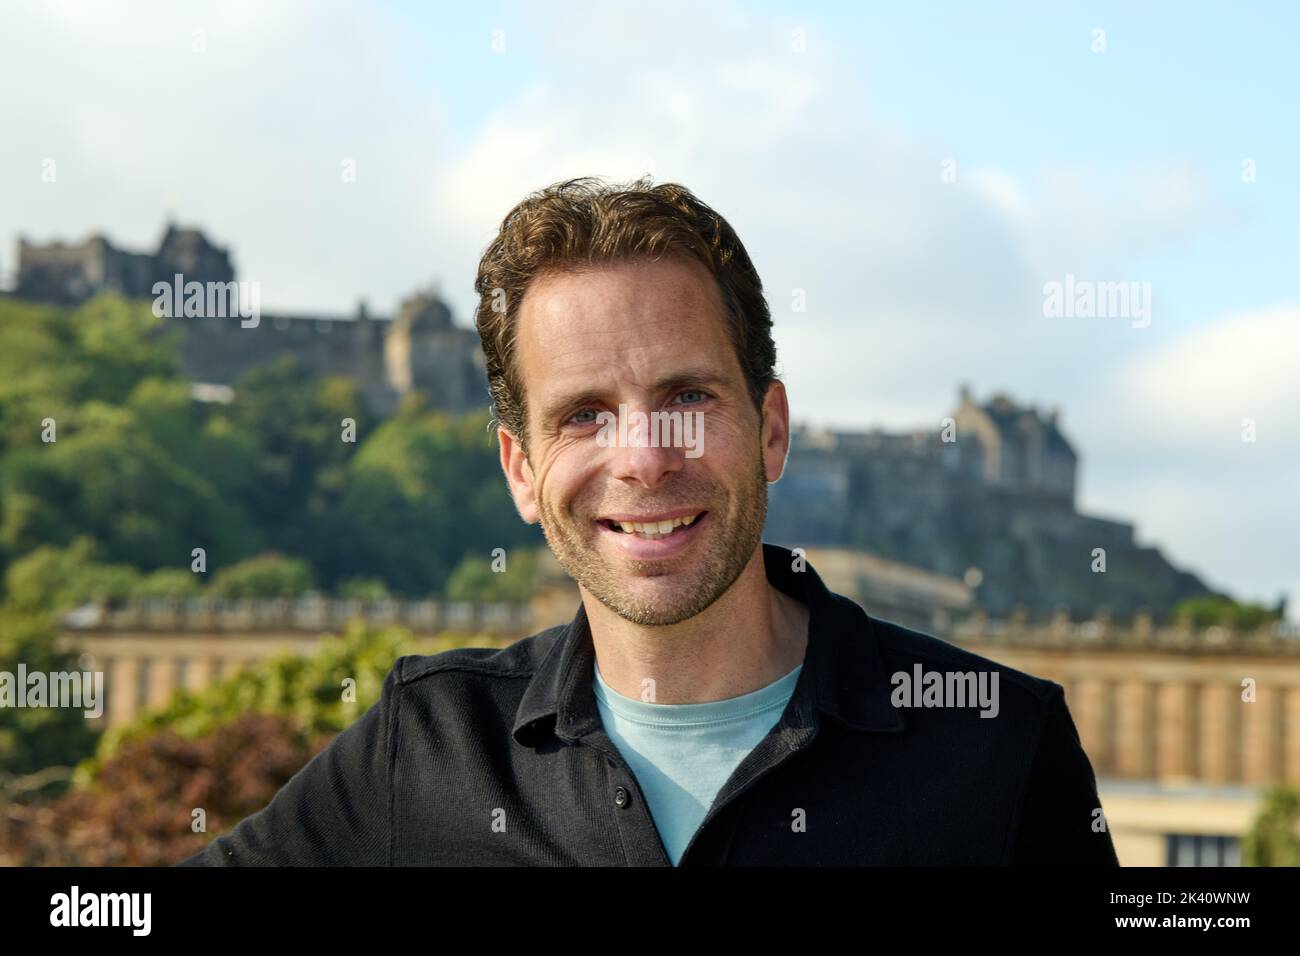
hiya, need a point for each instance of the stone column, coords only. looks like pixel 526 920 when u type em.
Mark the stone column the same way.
pixel 162 681
pixel 1219 722
pixel 1291 736
pixel 1175 732
pixel 1133 729
pixel 1260 765
pixel 1089 709
pixel 104 665
pixel 120 681
pixel 202 672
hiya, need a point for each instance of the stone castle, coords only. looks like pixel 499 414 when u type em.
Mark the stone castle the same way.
pixel 419 350
pixel 993 507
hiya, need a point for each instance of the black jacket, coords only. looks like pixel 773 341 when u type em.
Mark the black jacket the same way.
pixel 498 757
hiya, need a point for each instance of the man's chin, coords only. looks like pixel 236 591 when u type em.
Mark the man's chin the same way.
pixel 654 602
pixel 652 615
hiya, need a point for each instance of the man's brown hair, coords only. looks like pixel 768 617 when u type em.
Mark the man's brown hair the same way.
pixel 584 222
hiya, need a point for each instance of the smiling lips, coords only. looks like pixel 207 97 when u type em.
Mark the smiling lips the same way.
pixel 651 530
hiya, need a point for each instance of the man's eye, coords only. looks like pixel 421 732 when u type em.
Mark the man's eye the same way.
pixel 694 391
pixel 578 420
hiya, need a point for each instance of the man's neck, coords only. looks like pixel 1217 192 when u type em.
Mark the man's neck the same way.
pixel 751 636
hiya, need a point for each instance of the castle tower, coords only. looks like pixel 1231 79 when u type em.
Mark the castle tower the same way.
pixel 1018 448
pixel 426 352
pixel 189 252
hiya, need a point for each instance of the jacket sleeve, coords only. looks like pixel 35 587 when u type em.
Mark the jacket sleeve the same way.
pixel 332 812
pixel 1060 823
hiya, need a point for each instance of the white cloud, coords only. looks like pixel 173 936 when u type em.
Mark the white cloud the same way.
pixel 1166 428
pixel 1199 388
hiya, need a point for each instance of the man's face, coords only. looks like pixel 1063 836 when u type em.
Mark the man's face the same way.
pixel 648 335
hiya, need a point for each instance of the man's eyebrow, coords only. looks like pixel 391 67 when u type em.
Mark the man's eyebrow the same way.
pixel 673 380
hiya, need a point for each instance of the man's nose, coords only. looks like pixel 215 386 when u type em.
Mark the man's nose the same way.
pixel 640 459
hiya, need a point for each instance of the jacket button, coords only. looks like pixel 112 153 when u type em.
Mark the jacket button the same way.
pixel 620 797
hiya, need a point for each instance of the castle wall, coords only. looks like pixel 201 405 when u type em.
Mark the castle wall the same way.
pixel 219 350
pixel 71 274
pixel 68 275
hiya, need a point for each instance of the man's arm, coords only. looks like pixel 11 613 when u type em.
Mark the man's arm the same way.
pixel 332 812
pixel 1059 818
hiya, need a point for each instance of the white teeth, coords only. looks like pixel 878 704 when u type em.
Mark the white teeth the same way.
pixel 655 529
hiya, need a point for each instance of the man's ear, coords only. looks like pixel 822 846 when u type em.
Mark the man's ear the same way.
pixel 519 474
pixel 775 431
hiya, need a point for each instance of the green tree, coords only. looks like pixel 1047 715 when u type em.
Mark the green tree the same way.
pixel 1274 837
pixel 55 360
pixel 423 491
pixel 363 589
pixel 1209 611
pixel 51 579
pixel 67 374
pixel 168 583
pixel 291 422
pixel 263 576
pixel 34 738
pixel 475 580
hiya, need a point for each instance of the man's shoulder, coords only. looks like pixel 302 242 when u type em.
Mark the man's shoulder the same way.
pixel 473 664
pixel 904 650
pixel 904 646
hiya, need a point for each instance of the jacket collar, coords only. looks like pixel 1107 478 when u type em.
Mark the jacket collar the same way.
pixel 843 673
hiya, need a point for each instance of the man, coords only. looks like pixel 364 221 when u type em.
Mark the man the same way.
pixel 711 702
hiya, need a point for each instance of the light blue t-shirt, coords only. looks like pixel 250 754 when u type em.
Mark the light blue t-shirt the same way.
pixel 682 754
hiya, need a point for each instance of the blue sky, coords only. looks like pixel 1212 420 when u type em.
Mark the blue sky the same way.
pixel 1017 85
pixel 1124 165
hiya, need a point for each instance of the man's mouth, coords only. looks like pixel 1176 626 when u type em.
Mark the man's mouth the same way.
pixel 652 529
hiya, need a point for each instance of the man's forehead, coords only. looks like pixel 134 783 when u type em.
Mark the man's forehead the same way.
pixel 618 312
pixel 621 290
pixel 649 324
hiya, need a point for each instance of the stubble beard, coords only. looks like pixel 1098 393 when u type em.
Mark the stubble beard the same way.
pixel 731 545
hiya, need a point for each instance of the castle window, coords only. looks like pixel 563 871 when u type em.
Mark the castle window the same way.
pixel 324 325
pixel 282 322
